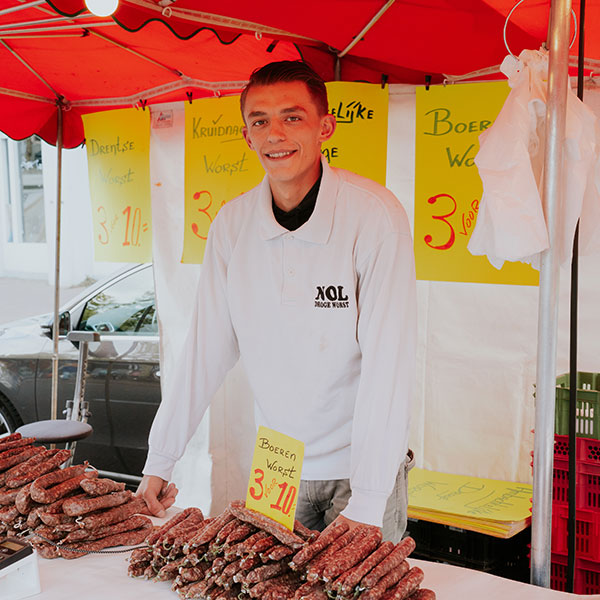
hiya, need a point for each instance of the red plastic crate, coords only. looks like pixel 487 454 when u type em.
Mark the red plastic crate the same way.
pixel 587 532
pixel 588 472
pixel 587 575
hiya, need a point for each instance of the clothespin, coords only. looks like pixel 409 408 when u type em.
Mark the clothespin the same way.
pixel 143 103
pixel 189 96
pixel 427 82
pixel 272 45
pixel 384 80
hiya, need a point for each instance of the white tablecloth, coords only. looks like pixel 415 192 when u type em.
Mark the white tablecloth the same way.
pixel 104 577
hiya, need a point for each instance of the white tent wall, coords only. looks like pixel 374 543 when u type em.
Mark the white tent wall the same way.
pixel 474 406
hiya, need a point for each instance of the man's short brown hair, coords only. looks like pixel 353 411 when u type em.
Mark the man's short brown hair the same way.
pixel 286 71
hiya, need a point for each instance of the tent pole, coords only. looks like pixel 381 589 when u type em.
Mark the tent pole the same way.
pixel 55 324
pixel 548 294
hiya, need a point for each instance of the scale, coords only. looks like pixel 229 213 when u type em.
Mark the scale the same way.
pixel 19 575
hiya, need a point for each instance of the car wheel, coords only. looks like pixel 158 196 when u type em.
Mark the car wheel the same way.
pixel 9 417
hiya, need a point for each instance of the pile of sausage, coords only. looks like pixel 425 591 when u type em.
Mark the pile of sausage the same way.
pixel 67 512
pixel 242 552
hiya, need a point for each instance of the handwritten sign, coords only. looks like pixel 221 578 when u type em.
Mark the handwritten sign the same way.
pixel 118 143
pixel 275 476
pixel 448 189
pixel 359 143
pixel 218 167
pixel 469 496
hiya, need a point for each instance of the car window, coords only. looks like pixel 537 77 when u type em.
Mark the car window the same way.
pixel 125 307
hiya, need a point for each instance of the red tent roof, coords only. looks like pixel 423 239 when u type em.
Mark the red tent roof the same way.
pixel 159 50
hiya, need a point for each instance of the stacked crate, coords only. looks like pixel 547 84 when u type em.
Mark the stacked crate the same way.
pixel 587 526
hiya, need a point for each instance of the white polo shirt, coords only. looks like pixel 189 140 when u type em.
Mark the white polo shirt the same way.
pixel 324 318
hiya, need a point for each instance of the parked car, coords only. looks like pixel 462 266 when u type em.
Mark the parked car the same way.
pixel 123 376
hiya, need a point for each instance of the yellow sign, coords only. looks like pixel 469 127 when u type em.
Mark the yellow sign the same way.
pixel 448 189
pixel 359 143
pixel 275 476
pixel 218 167
pixel 118 143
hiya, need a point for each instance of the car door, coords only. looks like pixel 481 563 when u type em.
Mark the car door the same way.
pixel 123 376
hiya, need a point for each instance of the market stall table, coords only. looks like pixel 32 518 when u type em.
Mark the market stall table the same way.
pixel 102 576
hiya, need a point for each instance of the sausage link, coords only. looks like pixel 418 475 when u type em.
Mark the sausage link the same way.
pixel 265 572
pixel 18 443
pixel 47 466
pixel 127 538
pixel 422 594
pixel 49 533
pixel 260 589
pixel 277 553
pixel 226 530
pixel 394 559
pixel 46 550
pixel 160 531
pixel 406 586
pixel 54 519
pixel 389 580
pixel 113 515
pixel 169 571
pixel 260 521
pixel 81 506
pixel 329 534
pixel 306 589
pixel 249 562
pixel 354 575
pixel 100 487
pixel 209 532
pixel 262 545
pixel 10 458
pixel 246 545
pixel 45 479
pixel 180 532
pixel 314 569
pixel 66 488
pixel 305 533
pixel 241 532
pixel 8 495
pixel 80 535
pixel 33 519
pixel 9 514
pixel 23 500
pixel 11 437
pixel 360 547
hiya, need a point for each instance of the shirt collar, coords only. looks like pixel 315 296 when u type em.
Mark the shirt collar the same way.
pixel 318 228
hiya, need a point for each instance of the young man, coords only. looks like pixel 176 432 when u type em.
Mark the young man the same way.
pixel 309 278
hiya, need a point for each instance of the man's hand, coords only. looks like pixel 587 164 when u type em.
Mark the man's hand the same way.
pixel 157 493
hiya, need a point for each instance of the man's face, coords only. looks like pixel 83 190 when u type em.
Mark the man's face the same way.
pixel 285 129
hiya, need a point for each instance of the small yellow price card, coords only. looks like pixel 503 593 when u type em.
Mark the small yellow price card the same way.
pixel 275 476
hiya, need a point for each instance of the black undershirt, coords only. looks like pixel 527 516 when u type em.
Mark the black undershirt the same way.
pixel 296 217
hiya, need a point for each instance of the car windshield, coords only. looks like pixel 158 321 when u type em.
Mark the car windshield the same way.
pixel 126 306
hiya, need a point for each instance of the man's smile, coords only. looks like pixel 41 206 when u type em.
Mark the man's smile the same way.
pixel 280 154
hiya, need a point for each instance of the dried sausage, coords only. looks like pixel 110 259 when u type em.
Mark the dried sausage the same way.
pixel 246 545
pixel 209 532
pixel 260 589
pixel 314 569
pixel 260 521
pixel 265 572
pixel 9 514
pixel 23 501
pixel 406 586
pixel 11 437
pixel 361 546
pixel 422 594
pixel 127 538
pixel 18 443
pixel 8 495
pixel 99 487
pixel 113 515
pixel 159 532
pixel 394 559
pixel 81 506
pixel 225 531
pixel 329 534
pixel 279 552
pixel 80 535
pixel 262 545
pixel 45 479
pixel 11 458
pixel 353 577
pixel 305 532
pixel 390 579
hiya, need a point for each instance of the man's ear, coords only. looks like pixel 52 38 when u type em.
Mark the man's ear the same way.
pixel 328 124
pixel 247 138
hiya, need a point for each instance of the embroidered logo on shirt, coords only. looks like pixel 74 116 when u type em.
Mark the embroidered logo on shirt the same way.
pixel 331 296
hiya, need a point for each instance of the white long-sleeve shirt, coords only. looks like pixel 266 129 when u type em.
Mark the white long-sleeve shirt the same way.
pixel 324 318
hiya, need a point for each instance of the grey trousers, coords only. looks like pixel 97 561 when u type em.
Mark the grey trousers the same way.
pixel 320 502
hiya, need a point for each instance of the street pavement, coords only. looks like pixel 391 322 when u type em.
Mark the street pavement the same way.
pixel 20 298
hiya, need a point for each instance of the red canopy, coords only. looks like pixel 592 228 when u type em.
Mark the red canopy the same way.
pixel 158 50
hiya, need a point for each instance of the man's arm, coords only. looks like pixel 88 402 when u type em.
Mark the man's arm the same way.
pixel 198 366
pixel 387 337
